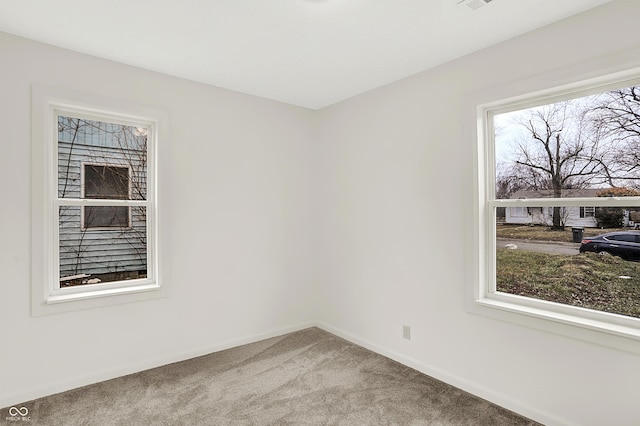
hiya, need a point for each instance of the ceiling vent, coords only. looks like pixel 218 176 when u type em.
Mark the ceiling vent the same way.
pixel 474 4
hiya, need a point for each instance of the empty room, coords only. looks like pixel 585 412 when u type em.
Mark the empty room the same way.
pixel 320 212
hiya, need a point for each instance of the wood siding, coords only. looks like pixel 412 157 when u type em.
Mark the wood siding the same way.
pixel 107 250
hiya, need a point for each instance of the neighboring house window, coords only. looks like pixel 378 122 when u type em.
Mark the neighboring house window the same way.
pixel 95 204
pixel 587 212
pixel 519 212
pixel 106 182
pixel 582 137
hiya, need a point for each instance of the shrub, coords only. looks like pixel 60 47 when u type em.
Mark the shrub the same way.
pixel 609 217
pixel 613 217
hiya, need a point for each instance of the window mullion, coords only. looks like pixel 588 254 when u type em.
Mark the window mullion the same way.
pixel 567 202
pixel 61 202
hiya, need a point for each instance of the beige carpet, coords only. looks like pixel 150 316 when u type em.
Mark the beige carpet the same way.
pixel 309 377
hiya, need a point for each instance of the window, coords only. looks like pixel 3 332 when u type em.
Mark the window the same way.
pixel 106 182
pixel 625 238
pixel 101 160
pixel 519 212
pixel 587 212
pixel 95 224
pixel 551 154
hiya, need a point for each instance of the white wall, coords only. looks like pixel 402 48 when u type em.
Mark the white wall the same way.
pixel 397 236
pixel 283 216
pixel 240 207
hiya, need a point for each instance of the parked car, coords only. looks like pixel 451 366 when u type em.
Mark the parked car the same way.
pixel 625 244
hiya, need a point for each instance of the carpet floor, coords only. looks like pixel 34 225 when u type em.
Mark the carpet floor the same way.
pixel 309 377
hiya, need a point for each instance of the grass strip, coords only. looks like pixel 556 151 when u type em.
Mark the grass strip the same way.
pixel 589 280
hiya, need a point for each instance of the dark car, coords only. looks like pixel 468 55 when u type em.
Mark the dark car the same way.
pixel 625 244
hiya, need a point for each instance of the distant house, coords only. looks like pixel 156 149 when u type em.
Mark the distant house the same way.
pixel 583 216
pixel 105 161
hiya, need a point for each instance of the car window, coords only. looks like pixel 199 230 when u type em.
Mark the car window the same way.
pixel 624 237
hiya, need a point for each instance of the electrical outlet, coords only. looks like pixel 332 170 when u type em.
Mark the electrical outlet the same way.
pixel 406 332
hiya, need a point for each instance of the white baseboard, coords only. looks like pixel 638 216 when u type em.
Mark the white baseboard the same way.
pixel 8 399
pixel 451 379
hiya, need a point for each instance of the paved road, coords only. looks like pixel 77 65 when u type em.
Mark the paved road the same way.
pixel 550 247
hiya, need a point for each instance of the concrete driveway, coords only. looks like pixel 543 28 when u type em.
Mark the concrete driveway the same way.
pixel 550 247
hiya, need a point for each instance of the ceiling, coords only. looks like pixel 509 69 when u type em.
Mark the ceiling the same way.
pixel 310 53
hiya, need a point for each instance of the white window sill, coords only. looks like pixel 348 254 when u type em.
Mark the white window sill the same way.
pixel 96 299
pixel 605 333
pixel 91 294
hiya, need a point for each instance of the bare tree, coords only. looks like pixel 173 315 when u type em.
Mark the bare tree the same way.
pixel 561 150
pixel 617 115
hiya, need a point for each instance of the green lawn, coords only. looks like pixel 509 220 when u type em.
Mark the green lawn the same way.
pixel 587 280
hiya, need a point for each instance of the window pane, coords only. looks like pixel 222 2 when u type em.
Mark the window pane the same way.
pixel 106 217
pixel 105 255
pixel 575 148
pixel 583 265
pixel 106 182
pixel 107 154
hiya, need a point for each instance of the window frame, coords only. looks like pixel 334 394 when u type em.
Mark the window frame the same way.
pixel 594 326
pixel 47 295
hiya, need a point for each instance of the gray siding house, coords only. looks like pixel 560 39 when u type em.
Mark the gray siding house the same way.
pixel 98 160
